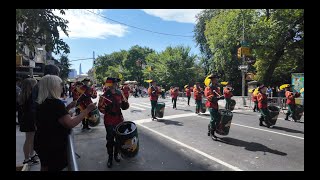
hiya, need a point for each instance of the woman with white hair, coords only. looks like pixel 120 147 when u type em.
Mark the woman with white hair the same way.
pixel 27 122
pixel 53 124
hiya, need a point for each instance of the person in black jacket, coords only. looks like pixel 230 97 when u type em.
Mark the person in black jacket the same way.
pixel 27 121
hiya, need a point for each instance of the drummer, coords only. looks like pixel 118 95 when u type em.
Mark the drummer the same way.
pixel 263 106
pixel 291 102
pixel 154 93
pixel 227 92
pixel 110 105
pixel 212 94
pixel 85 99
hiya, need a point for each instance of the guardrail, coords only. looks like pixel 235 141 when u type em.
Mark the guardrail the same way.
pixel 72 161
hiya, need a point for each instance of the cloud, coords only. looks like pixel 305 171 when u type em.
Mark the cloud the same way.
pixel 179 15
pixel 83 24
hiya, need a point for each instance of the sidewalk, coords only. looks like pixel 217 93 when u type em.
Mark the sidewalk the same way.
pixel 20 138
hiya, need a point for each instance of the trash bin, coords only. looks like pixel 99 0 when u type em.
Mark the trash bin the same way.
pixel 127 137
pixel 94 118
pixel 232 104
pixel 274 113
pixel 225 122
pixel 299 109
pixel 160 109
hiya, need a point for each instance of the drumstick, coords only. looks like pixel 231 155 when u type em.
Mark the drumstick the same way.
pixel 105 98
pixel 125 99
pixel 216 93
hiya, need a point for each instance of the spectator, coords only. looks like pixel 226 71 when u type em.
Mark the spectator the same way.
pixel 269 91
pixel 27 122
pixel 18 90
pixel 54 124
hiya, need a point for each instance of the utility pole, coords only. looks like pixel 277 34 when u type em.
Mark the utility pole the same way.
pixel 243 70
pixel 93 68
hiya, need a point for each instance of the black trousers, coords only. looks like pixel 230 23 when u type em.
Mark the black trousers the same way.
pixel 174 102
pixel 112 144
pixel 189 99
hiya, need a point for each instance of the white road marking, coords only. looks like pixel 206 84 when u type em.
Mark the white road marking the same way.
pixel 262 129
pixel 136 107
pixel 194 149
pixel 142 105
pixel 165 117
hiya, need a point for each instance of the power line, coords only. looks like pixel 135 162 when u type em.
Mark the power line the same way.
pixel 167 34
pixel 80 59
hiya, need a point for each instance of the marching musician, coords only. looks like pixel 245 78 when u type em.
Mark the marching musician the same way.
pixel 153 92
pixel 212 94
pixel 263 106
pixel 255 100
pixel 174 95
pixel 126 90
pixel 110 104
pixel 291 101
pixel 197 94
pixel 227 92
pixel 171 93
pixel 86 92
pixel 188 94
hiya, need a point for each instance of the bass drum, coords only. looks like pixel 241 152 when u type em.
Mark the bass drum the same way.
pixel 127 137
pixel 94 118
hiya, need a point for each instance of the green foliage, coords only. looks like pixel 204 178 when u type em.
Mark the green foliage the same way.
pixel 41 25
pixel 64 66
pixel 276 39
pixel 173 66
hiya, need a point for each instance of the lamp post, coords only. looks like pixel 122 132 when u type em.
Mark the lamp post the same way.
pixel 243 67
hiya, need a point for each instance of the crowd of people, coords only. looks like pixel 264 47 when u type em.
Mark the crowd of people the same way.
pixel 47 120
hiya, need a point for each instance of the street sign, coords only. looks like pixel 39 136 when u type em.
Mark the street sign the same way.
pixel 243 67
pixel 32 64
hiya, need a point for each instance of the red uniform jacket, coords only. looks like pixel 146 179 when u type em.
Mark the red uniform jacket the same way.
pixel 188 92
pixel 175 94
pixel 126 91
pixel 262 101
pixel 154 93
pixel 211 103
pixel 291 97
pixel 85 99
pixel 197 93
pixel 227 93
pixel 110 105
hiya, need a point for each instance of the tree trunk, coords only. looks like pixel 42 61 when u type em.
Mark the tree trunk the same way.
pixel 273 65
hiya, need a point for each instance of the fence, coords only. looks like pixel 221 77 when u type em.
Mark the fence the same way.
pixel 72 161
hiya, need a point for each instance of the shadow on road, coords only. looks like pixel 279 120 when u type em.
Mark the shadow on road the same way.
pixel 250 146
pixel 184 110
pixel 244 113
pixel 288 130
pixel 169 122
pixel 135 111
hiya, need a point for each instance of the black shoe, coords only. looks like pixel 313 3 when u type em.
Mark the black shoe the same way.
pixel 261 124
pixel 213 136
pixel 88 128
pixel 117 157
pixel 17 124
pixel 109 164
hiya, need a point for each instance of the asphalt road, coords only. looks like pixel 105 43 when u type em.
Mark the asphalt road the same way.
pixel 179 141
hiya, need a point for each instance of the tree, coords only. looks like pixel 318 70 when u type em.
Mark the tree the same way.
pixel 64 67
pixel 136 53
pixel 276 39
pixel 40 26
pixel 281 40
pixel 200 39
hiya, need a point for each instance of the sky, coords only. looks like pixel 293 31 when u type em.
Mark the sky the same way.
pixel 89 31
